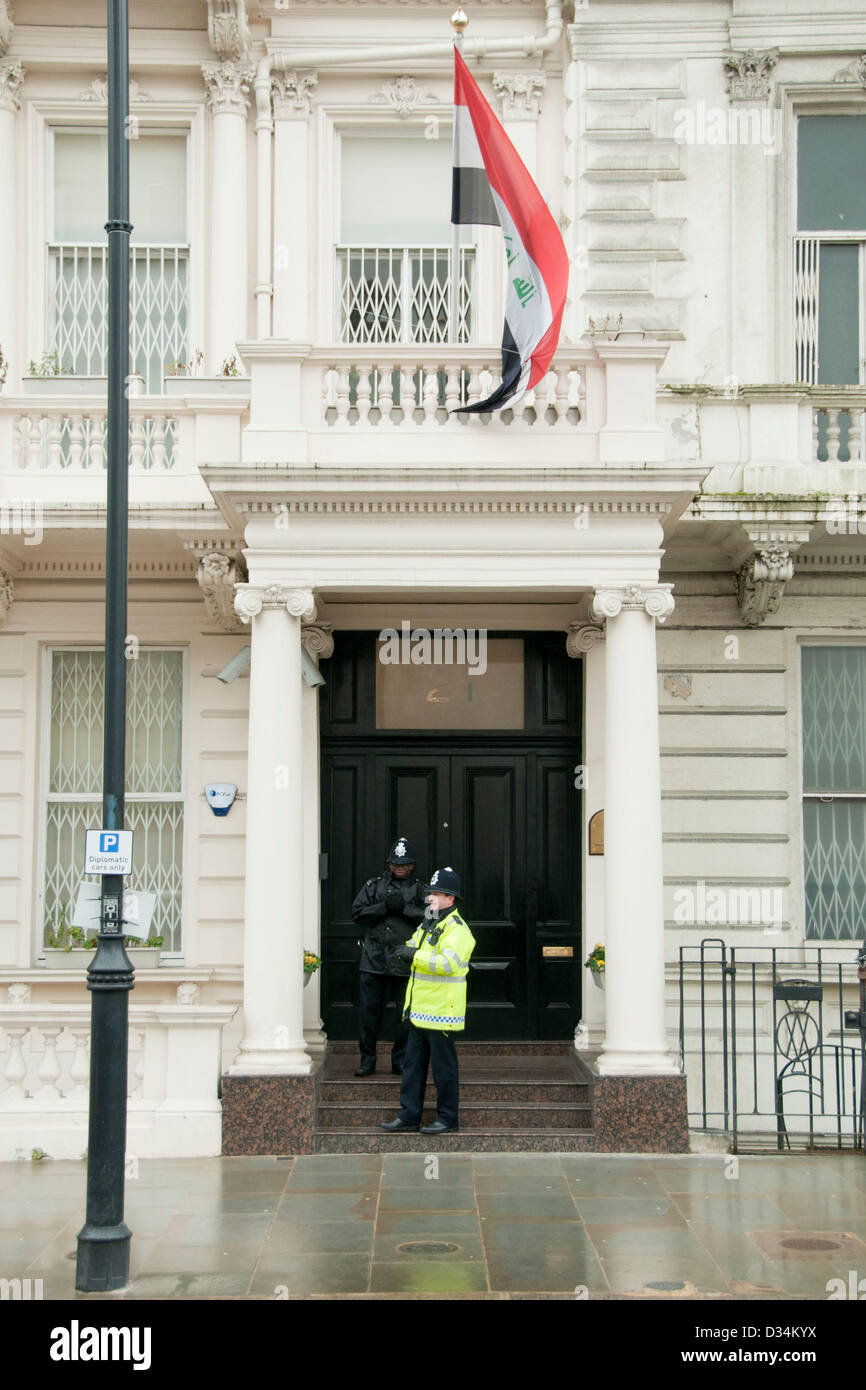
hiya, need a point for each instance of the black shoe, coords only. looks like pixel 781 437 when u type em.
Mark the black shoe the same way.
pixel 366 1068
pixel 440 1127
pixel 395 1070
pixel 398 1126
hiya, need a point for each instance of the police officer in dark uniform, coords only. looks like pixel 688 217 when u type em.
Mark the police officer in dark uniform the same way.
pixel 389 909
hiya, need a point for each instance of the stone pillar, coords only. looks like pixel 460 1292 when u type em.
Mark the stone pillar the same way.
pixel 294 245
pixel 11 81
pixel 273 1037
pixel 228 98
pixel 317 642
pixel 635 1040
pixel 587 641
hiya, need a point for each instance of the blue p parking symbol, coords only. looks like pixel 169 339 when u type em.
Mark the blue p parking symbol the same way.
pixel 109 842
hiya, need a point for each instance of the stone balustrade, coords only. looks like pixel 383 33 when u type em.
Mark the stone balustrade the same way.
pixel 172 1077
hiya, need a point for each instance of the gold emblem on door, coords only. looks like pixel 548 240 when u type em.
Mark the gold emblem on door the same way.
pixel 557 950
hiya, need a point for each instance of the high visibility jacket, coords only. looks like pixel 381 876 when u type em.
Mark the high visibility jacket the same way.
pixel 436 993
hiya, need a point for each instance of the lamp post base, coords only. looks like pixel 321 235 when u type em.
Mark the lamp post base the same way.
pixel 103 1258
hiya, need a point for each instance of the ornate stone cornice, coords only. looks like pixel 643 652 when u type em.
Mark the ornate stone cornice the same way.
pixel 518 94
pixel 655 600
pixel 7 595
pixel 98 91
pixel 227 29
pixel 403 95
pixel 11 82
pixel 217 576
pixel 293 94
pixel 227 86
pixel 251 599
pixel 402 506
pixel 747 75
pixel 582 637
pixel 761 581
pixel 6 26
pixel 317 639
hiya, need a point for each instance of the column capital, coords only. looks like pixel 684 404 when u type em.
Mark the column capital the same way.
pixel 655 599
pixel 747 75
pixel 11 82
pixel 227 86
pixel 518 94
pixel 582 637
pixel 293 94
pixel 317 639
pixel 252 599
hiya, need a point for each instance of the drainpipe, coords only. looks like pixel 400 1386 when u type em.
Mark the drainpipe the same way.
pixel 530 46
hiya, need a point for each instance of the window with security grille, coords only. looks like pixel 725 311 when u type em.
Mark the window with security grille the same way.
pixel 154 780
pixel 394 251
pixel 834 791
pixel 77 266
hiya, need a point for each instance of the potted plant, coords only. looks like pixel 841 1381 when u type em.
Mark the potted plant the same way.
pixel 228 380
pixel 66 948
pixel 49 377
pixel 595 964
pixel 144 955
pixel 311 965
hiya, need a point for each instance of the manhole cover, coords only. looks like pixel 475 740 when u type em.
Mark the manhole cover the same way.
pixel 428 1247
pixel 803 1243
pixel 664 1285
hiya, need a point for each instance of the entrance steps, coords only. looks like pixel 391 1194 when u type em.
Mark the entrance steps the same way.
pixel 514 1098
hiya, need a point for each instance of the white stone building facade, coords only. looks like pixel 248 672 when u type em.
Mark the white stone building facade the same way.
pixel 679 500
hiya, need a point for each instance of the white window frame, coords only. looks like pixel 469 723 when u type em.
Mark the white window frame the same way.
pixel 167 957
pixel 42 119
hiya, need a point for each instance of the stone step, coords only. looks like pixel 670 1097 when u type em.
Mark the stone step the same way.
pixel 466 1047
pixel 373 1141
pixel 495 1090
pixel 482 1117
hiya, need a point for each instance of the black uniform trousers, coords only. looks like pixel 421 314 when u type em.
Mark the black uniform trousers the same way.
pixel 426 1045
pixel 373 994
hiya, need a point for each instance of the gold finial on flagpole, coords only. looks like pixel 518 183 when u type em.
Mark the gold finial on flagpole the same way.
pixel 459 21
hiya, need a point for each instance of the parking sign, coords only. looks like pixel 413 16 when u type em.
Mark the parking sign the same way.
pixel 108 851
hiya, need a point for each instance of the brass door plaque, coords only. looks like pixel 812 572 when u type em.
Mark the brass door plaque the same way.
pixel 557 950
pixel 596 833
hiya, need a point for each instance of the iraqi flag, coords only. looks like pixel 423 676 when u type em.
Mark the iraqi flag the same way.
pixel 491 185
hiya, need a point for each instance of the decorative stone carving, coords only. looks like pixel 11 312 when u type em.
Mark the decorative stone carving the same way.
pixel 188 992
pixel 404 95
pixel 98 91
pixel 217 576
pixel 6 26
pixel 7 595
pixel 293 93
pixel 227 86
pixel 679 686
pixel 317 639
pixel 251 599
pixel 761 581
pixel 519 94
pixel 582 637
pixel 18 994
pixel 854 72
pixel 227 29
pixel 11 82
pixel 747 75
pixel 657 602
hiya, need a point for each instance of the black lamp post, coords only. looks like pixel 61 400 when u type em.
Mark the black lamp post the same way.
pixel 103 1241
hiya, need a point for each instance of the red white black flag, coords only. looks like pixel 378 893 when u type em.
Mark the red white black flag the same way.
pixel 491 185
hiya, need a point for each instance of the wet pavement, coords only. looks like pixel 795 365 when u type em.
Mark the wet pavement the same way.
pixel 455 1226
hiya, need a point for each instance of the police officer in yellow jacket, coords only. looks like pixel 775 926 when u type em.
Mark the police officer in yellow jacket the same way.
pixel 435 1007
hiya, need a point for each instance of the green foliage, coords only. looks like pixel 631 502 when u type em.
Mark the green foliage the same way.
pixel 38 1154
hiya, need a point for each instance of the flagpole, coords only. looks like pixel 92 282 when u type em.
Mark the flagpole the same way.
pixel 459 21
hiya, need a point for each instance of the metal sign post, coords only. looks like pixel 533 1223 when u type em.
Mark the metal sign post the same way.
pixel 103 1241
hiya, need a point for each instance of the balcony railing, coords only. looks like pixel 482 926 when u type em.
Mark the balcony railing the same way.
pixel 401 294
pixel 67 441
pixel 158 308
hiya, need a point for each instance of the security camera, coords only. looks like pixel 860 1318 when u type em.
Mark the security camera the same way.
pixel 236 666
pixel 310 672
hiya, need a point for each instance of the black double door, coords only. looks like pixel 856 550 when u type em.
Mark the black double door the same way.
pixel 504 812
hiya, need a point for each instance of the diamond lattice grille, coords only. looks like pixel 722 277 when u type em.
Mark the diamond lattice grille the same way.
pixel 834 719
pixel 154 804
pixel 402 294
pixel 834 835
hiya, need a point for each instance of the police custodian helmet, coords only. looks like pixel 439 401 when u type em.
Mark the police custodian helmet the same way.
pixel 446 881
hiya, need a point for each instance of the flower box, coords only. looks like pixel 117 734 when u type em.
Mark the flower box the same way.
pixel 65 385
pixel 140 957
pixel 206 385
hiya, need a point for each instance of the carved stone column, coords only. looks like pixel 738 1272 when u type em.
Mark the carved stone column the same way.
pixel 317 641
pixel 273 1040
pixel 586 640
pixel 227 85
pixel 635 1041
pixel 293 105
pixel 11 82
